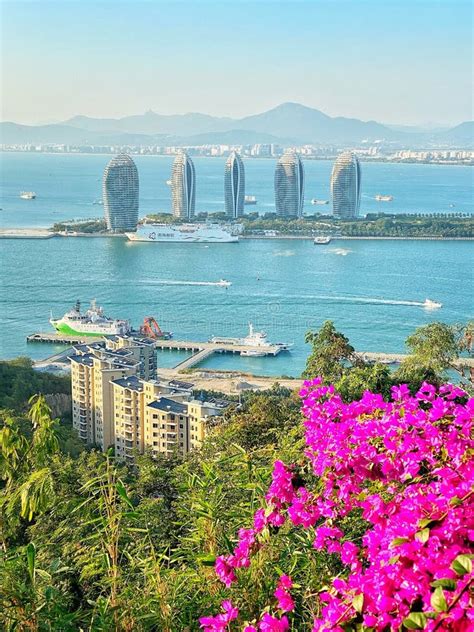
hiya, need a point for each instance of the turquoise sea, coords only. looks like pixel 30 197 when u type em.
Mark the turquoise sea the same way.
pixel 67 186
pixel 373 290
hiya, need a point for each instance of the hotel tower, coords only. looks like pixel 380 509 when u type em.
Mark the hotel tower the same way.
pixel 183 187
pixel 345 185
pixel 289 186
pixel 234 186
pixel 120 194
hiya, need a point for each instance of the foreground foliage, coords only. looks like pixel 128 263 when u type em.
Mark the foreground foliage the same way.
pixel 403 472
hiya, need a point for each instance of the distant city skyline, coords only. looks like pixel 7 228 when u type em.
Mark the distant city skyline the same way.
pixel 405 62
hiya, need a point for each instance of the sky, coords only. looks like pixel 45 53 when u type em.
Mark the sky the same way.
pixel 401 62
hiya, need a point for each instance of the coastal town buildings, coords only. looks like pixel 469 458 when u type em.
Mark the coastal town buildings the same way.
pixel 120 401
pixel 234 186
pixel 345 186
pixel 120 194
pixel 289 186
pixel 183 187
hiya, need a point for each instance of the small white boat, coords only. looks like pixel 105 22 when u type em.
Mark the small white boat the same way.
pixel 384 198
pixel 316 202
pixel 224 283
pixel 321 240
pixel 27 195
pixel 429 304
pixel 253 353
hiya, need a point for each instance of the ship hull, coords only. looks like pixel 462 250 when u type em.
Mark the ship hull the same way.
pixel 67 330
pixel 182 234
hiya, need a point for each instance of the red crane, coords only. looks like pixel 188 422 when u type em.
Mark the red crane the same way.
pixel 151 329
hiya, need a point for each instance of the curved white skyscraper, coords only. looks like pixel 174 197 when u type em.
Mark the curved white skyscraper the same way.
pixel 120 194
pixel 345 185
pixel 183 187
pixel 289 186
pixel 234 186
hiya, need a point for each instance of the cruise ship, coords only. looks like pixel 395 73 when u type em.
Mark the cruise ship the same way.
pixel 93 322
pixel 183 233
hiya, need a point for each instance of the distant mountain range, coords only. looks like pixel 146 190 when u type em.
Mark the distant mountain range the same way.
pixel 289 123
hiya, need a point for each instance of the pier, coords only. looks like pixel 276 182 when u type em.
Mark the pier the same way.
pixel 202 350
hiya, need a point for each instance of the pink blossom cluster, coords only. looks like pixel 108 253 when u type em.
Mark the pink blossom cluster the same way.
pixel 406 466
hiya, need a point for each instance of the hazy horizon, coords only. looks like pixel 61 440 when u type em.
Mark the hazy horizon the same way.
pixel 399 63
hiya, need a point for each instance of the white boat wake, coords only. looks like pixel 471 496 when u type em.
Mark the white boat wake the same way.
pixel 343 252
pixel 220 283
pixel 284 253
pixel 427 304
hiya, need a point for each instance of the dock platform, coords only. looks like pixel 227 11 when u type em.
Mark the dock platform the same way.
pixel 61 339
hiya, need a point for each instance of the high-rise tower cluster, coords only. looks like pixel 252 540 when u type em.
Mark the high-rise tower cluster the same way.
pixel 120 194
pixel 345 185
pixel 183 187
pixel 289 186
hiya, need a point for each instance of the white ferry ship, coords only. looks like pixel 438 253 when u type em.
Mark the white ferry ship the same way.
pixel 27 195
pixel 93 322
pixel 254 338
pixel 183 233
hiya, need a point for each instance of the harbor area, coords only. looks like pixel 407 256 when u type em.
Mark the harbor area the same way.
pixel 199 350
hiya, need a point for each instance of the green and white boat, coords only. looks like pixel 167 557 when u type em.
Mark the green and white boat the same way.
pixel 93 322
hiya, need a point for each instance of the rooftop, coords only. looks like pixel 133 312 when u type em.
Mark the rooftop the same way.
pixel 132 382
pixel 169 406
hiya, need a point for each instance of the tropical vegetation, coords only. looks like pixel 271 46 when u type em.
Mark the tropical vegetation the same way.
pixel 348 509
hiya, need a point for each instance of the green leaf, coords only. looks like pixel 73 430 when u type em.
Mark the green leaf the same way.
pixel 358 602
pixel 438 600
pixel 462 565
pixel 122 492
pixel 422 535
pixel 207 559
pixel 449 584
pixel 398 541
pixel 415 621
pixel 31 559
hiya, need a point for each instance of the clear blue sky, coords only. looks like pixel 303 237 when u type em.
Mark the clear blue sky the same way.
pixel 404 61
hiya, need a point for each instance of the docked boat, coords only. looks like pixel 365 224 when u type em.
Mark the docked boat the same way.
pixel 384 198
pixel 253 353
pixel 183 233
pixel 92 322
pixel 321 240
pixel 316 202
pixel 250 199
pixel 429 304
pixel 27 195
pixel 257 339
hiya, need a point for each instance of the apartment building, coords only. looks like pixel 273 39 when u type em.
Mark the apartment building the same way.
pixel 113 405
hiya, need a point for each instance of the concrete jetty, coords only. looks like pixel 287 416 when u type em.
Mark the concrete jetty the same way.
pixel 202 350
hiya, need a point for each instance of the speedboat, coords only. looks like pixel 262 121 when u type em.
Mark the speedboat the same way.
pixel 429 304
pixel 224 283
